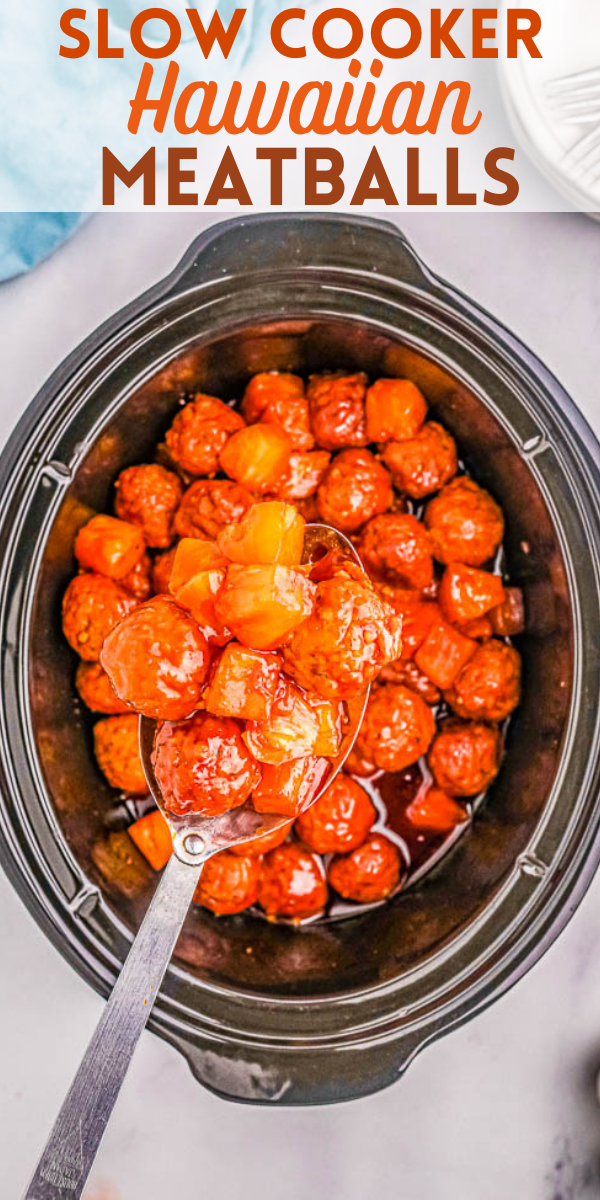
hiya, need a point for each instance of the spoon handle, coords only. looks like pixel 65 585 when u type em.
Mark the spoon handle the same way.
pixel 65 1163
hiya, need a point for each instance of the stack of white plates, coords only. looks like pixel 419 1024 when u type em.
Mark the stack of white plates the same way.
pixel 570 44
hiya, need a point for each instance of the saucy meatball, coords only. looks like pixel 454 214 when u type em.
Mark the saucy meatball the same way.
pixel 406 672
pixel 229 883
pixel 396 546
pixel 355 487
pixel 465 524
pixel 139 580
pixel 96 690
pixel 464 758
pixel 349 636
pixel 337 410
pixel 203 766
pixel 116 747
pixel 397 728
pixel 263 842
pixel 149 496
pixel 161 571
pixel 293 883
pixel 423 464
pixel 208 506
pixel 339 820
pixel 303 475
pixel 488 687
pixel 200 432
pixel 280 400
pixel 157 660
pixel 92 606
pixel 369 873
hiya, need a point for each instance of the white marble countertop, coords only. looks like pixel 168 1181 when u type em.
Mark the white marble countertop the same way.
pixel 503 1108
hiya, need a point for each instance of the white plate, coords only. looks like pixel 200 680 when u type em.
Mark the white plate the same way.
pixel 569 41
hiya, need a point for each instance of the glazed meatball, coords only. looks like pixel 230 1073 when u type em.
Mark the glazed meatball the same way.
pixel 263 842
pixel 203 766
pixel 465 524
pixel 92 606
pixel 369 873
pixel 208 506
pixel 138 582
pixel 395 546
pixel 293 883
pixel 109 546
pixel 161 571
pixel 149 496
pixel 199 434
pixel 423 464
pixel 406 672
pixel 304 474
pixel 355 487
pixel 117 750
pixel 465 757
pixel 349 636
pixel 339 820
pixel 229 883
pixel 488 687
pixel 357 764
pixel 337 410
pixel 96 690
pixel 397 728
pixel 157 660
pixel 280 400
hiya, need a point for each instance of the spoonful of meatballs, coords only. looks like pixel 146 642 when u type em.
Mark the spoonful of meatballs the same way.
pixel 250 678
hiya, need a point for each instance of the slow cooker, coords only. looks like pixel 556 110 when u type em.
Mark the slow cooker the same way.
pixel 263 1012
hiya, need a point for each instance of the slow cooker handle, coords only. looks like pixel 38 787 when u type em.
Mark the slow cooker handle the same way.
pixel 265 242
pixel 295 1075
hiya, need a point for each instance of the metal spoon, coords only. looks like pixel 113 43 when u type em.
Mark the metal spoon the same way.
pixel 67 1158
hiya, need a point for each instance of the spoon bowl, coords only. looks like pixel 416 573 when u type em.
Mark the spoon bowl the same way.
pixel 197 838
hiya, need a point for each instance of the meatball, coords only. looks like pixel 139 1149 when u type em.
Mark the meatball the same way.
pixel 406 672
pixel 199 434
pixel 209 505
pixel 280 400
pixel 488 686
pixel 92 606
pixel 109 546
pixel 369 873
pixel 116 746
pixel 465 524
pixel 304 474
pixel 397 728
pixel 355 487
pixel 96 690
pixel 229 883
pixel 149 496
pixel 293 883
pixel 465 757
pixel 396 409
pixel 339 820
pixel 263 842
pixel 337 410
pixel 157 660
pixel 424 463
pixel 202 765
pixel 395 546
pixel 349 636
pixel 139 581
pixel 161 571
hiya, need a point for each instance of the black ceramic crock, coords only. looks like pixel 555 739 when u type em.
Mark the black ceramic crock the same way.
pixel 335 1010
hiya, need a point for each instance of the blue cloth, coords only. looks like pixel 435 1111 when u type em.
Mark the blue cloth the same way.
pixel 59 112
